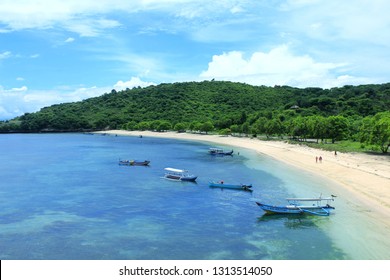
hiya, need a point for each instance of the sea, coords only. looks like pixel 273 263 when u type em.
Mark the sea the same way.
pixel 65 197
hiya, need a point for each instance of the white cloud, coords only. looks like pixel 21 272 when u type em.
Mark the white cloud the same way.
pixel 87 17
pixel 277 67
pixel 69 40
pixel 21 89
pixel 5 55
pixel 17 101
pixel 83 17
pixel 134 82
pixel 90 27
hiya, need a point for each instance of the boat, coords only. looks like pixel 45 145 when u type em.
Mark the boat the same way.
pixel 219 151
pixel 134 162
pixel 315 206
pixel 179 175
pixel 222 185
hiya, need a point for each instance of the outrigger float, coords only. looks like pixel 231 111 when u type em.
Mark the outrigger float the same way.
pixel 315 206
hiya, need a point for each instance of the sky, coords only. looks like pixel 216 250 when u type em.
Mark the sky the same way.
pixel 59 51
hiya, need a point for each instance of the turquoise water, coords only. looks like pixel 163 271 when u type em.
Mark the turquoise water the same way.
pixel 64 196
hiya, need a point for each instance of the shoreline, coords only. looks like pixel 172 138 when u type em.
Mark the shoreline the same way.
pixel 365 177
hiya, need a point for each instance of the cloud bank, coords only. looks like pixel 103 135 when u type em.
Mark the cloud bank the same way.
pixel 279 66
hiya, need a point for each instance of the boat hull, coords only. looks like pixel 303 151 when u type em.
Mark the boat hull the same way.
pixel 134 162
pixel 295 209
pixel 180 178
pixel 189 179
pixel 230 186
pixel 140 163
pixel 220 152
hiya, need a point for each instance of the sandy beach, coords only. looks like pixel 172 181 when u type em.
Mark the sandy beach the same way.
pixel 365 177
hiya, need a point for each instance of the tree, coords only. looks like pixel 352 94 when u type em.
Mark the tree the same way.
pixel 245 128
pixel 195 126
pixel 381 131
pixel 259 126
pixel 180 127
pixel 235 128
pixel 337 128
pixel 207 127
pixel 273 127
pixel 144 125
pixel 164 125
pixel 299 127
pixel 131 125
pixel 317 127
pixel 376 131
pixel 225 131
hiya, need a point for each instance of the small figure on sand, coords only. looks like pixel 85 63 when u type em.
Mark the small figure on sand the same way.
pixel 320 159
pixel 316 159
pixel 335 153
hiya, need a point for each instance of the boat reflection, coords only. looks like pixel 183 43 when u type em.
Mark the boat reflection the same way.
pixel 290 221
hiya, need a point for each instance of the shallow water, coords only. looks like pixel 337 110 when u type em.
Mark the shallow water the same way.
pixel 64 196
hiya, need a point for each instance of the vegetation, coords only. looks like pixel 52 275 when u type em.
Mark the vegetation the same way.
pixel 358 114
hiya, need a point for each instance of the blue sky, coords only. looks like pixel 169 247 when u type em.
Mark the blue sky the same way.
pixel 63 51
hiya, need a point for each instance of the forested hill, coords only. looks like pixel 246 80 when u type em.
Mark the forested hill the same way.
pixel 221 104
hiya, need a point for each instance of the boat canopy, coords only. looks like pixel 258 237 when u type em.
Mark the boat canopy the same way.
pixel 175 170
pixel 310 199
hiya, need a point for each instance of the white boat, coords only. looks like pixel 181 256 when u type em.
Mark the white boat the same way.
pixel 179 175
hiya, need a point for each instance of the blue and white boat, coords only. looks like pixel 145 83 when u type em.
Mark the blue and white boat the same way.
pixel 179 175
pixel 314 206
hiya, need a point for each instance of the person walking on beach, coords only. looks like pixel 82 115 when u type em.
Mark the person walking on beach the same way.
pixel 316 159
pixel 320 159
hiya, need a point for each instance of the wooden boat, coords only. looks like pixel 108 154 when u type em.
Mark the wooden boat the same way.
pixel 314 206
pixel 134 162
pixel 221 152
pixel 179 175
pixel 222 185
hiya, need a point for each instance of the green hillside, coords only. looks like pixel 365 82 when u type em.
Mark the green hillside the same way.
pixel 222 106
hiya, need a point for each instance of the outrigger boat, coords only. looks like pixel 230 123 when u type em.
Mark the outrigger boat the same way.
pixel 315 206
pixel 222 185
pixel 179 175
pixel 221 152
pixel 134 162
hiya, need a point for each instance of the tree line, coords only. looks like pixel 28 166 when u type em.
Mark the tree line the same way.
pixel 358 113
pixel 371 130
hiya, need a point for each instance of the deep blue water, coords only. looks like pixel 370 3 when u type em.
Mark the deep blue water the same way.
pixel 64 196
